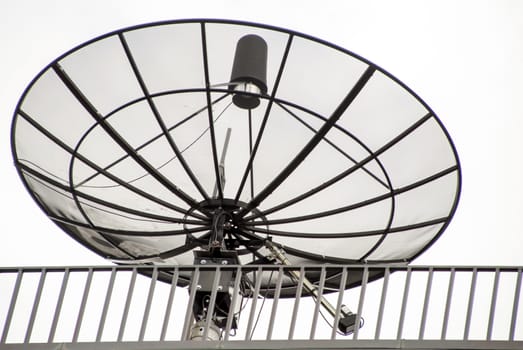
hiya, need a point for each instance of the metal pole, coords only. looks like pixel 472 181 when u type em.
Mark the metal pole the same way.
pixel 221 166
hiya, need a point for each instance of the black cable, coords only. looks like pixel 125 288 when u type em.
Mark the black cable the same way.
pixel 23 160
pixel 43 183
pixel 141 176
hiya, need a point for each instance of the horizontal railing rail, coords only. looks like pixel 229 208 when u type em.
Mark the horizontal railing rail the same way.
pixel 394 304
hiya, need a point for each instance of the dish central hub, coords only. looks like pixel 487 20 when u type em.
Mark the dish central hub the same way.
pixel 228 229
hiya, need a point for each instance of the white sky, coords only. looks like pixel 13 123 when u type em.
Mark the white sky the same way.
pixel 464 58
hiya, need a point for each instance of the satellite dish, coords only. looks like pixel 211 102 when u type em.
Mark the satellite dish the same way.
pixel 151 143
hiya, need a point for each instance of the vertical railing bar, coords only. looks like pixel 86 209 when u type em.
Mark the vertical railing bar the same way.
pixel 169 305
pixel 10 312
pixel 107 301
pixel 212 303
pixel 147 309
pixel 318 303
pixel 275 300
pixel 188 313
pixel 127 306
pixel 426 302
pixel 297 299
pixel 36 303
pixel 81 311
pixel 248 331
pixel 471 303
pixel 493 301
pixel 404 303
pixel 363 290
pixel 341 290
pixel 235 292
pixel 382 303
pixel 58 307
pixel 448 304
pixel 515 305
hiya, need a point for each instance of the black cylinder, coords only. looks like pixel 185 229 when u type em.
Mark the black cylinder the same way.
pixel 249 68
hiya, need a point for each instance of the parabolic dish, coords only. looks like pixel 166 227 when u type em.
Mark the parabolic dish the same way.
pixel 132 145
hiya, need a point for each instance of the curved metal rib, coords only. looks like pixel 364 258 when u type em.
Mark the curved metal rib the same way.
pixel 111 231
pixel 118 138
pixel 355 205
pixel 159 118
pixel 322 235
pixel 209 110
pixel 345 173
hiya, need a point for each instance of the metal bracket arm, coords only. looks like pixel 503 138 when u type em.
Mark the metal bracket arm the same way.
pixel 347 321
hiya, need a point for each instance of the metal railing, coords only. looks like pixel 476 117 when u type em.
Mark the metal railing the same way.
pixel 408 307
